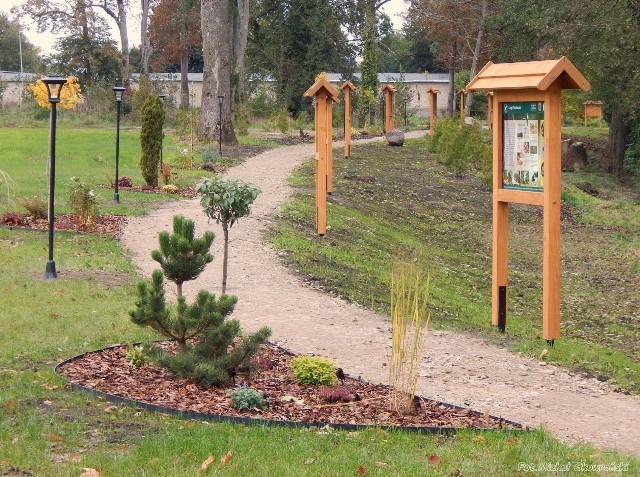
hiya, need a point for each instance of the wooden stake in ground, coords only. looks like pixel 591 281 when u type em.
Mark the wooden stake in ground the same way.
pixel 526 167
pixel 325 95
pixel 433 108
pixel 347 87
pixel 463 92
pixel 388 91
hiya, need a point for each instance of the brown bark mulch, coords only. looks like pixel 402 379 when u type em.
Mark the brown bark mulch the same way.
pixel 108 371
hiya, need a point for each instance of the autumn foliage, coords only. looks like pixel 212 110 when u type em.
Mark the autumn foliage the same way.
pixel 70 94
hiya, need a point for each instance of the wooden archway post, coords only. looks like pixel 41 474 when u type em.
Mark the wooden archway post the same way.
pixel 526 168
pixel 347 87
pixel 325 95
pixel 463 92
pixel 433 108
pixel 490 109
pixel 388 91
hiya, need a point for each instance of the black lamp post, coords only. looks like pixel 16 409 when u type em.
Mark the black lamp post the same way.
pixel 162 97
pixel 118 92
pixel 54 87
pixel 220 101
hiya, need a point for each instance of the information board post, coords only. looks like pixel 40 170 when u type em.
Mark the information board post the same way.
pixel 325 95
pixel 433 108
pixel 388 91
pixel 462 93
pixel 347 87
pixel 526 118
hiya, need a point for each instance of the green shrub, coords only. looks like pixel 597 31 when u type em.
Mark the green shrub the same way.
pixel 314 370
pixel 241 123
pixel 135 355
pixel 282 121
pixel 83 201
pixel 461 148
pixel 151 138
pixel 245 398
pixel 261 105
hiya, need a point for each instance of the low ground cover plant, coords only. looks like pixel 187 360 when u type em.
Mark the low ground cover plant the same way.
pixel 314 370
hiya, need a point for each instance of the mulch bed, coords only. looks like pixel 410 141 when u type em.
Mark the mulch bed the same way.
pixel 108 371
pixel 106 225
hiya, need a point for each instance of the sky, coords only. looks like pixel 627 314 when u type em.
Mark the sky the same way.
pixel 46 40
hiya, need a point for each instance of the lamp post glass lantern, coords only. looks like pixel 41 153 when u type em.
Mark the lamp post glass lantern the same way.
pixel 220 101
pixel 54 87
pixel 118 91
pixel 162 97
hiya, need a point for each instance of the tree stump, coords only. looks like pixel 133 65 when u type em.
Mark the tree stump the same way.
pixel 574 155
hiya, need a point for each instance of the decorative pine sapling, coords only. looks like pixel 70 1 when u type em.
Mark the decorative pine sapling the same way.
pixel 226 201
pixel 182 256
pixel 218 355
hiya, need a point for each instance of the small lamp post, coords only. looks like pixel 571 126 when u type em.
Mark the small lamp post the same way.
pixel 220 101
pixel 162 97
pixel 54 87
pixel 118 91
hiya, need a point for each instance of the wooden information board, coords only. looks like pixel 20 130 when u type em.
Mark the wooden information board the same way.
pixel 526 119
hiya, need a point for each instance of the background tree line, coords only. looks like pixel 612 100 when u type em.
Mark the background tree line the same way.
pixel 291 41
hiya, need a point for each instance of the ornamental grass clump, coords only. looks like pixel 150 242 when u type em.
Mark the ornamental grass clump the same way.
pixel 314 370
pixel 409 325
pixel 210 350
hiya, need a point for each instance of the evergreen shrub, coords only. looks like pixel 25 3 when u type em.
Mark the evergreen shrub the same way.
pixel 314 370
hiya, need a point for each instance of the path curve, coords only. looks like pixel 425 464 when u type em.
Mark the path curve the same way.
pixel 457 368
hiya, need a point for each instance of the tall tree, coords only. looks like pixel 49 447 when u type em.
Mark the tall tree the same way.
pixel 173 19
pixel 458 28
pixel 294 40
pixel 145 45
pixel 217 40
pixel 71 16
pixel 92 60
pixel 12 41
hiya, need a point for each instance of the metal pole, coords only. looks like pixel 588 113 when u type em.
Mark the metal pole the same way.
pixel 116 196
pixel 405 113
pixel 50 271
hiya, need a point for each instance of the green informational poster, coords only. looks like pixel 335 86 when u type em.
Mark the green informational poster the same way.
pixel 523 146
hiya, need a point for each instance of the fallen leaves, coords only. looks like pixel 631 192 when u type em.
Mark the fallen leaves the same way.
pixel 89 472
pixel 543 353
pixel 55 437
pixel 361 470
pixel 434 459
pixel 226 458
pixel 205 465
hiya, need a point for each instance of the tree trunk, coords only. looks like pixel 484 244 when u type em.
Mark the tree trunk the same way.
pixel 184 78
pixel 145 47
pixel 240 35
pixel 120 18
pixel 618 131
pixel 217 38
pixel 452 77
pixel 81 14
pixel 476 54
pixel 225 257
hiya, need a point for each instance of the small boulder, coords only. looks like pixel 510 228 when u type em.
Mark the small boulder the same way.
pixel 394 138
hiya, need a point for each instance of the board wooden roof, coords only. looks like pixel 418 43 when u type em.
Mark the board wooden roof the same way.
pixel 348 84
pixel 322 82
pixel 531 74
pixel 433 90
pixel 388 87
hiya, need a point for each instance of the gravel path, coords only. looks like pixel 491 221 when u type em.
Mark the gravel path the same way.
pixel 456 368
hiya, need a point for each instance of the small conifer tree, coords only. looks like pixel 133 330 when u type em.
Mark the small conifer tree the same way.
pixel 218 354
pixel 151 138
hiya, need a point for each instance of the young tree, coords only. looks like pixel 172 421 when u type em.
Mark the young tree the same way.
pixel 12 42
pixel 217 356
pixel 151 138
pixel 226 201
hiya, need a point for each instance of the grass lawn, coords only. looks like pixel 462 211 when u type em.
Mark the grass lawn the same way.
pixel 48 430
